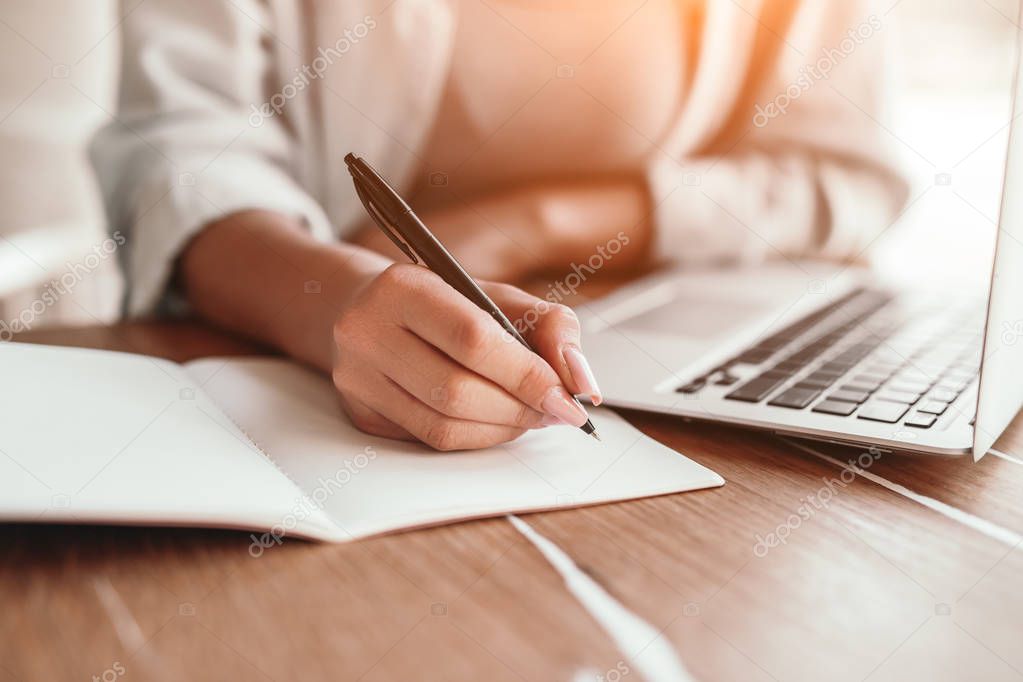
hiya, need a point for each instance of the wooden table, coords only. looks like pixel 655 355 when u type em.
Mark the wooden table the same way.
pixel 877 584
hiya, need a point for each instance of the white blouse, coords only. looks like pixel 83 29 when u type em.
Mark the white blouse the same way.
pixel 754 123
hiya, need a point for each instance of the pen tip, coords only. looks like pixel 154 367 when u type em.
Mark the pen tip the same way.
pixel 595 435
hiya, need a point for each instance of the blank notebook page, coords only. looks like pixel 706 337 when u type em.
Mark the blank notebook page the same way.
pixel 101 437
pixel 368 485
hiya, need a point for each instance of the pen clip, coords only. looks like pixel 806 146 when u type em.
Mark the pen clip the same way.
pixel 382 223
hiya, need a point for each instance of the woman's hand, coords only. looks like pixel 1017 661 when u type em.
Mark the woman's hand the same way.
pixel 416 360
pixel 410 356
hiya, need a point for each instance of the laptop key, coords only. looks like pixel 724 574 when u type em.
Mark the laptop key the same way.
pixel 755 390
pixel 955 385
pixel 903 386
pixel 898 396
pixel 942 395
pixel 960 375
pixel 835 367
pixel 849 396
pixel 882 411
pixel 796 398
pixel 921 420
pixel 882 371
pixel 914 376
pixel 692 386
pixel 819 380
pixel 835 407
pixel 754 356
pixel 932 407
pixel 866 380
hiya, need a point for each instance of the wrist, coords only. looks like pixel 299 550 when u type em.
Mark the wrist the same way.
pixel 333 275
pixel 350 269
pixel 577 221
pixel 262 274
pixel 555 224
pixel 536 238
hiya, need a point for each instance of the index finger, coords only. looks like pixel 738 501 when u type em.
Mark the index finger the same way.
pixel 454 325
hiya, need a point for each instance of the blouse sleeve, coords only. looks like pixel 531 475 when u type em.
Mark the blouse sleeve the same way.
pixel 195 137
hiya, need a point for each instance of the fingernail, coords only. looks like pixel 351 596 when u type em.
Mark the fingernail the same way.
pixel 551 420
pixel 559 403
pixel 582 373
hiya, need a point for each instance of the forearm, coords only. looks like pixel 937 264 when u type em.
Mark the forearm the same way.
pixel 512 235
pixel 261 275
pixel 578 221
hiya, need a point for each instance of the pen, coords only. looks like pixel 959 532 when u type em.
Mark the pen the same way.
pixel 403 227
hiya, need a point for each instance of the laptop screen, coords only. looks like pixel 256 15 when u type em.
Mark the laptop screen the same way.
pixel 1000 394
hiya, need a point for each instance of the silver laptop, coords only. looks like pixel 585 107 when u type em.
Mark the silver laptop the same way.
pixel 822 352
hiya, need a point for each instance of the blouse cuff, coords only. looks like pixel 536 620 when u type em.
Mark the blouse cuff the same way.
pixel 736 211
pixel 171 208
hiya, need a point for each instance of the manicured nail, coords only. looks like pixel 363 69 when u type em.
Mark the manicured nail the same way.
pixel 551 420
pixel 559 403
pixel 582 373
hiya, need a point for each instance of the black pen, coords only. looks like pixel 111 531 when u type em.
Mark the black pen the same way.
pixel 403 227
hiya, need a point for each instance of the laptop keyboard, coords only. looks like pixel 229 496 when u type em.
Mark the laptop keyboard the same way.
pixel 865 356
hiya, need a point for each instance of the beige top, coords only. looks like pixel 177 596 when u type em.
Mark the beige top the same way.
pixel 758 125
pixel 506 118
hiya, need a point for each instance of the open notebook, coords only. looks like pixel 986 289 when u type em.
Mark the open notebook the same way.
pixel 261 444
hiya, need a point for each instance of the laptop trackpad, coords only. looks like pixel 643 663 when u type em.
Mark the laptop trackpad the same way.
pixel 701 317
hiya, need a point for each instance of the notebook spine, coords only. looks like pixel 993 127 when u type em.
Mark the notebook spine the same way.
pixel 273 462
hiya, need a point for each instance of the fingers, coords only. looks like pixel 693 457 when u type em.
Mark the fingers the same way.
pixel 426 424
pixel 372 422
pixel 582 374
pixel 417 360
pixel 437 380
pixel 553 331
pixel 467 335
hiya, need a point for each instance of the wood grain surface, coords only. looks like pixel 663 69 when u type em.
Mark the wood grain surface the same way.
pixel 911 570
